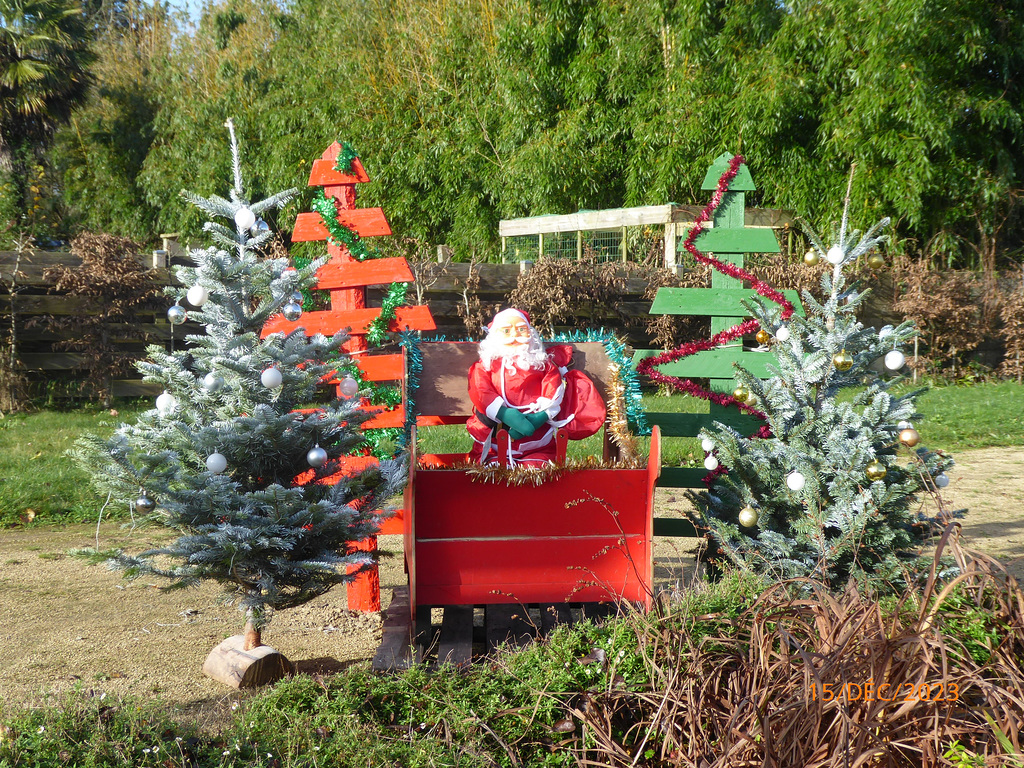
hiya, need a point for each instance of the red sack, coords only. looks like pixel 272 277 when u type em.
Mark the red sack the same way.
pixel 583 403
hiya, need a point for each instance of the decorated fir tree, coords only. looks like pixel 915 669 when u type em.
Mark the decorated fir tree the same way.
pixel 240 419
pixel 831 487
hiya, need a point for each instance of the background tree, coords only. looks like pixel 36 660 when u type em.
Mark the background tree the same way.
pixel 500 108
pixel 44 60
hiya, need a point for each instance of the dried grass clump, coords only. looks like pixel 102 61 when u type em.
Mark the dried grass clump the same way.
pixel 755 692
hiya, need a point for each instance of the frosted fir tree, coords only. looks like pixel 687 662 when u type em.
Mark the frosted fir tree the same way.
pixel 833 489
pixel 217 459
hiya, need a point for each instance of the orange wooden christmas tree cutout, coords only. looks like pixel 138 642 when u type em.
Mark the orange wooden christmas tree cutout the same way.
pixel 347 280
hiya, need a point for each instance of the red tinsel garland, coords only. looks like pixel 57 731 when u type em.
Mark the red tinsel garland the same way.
pixel 646 366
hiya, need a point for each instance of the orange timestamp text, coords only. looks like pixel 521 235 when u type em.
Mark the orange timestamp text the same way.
pixel 885 691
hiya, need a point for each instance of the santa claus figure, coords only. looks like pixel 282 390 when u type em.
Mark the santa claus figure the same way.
pixel 520 386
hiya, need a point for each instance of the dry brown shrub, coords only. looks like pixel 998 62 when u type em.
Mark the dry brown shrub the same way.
pixel 753 694
pixel 117 285
pixel 954 312
pixel 1012 315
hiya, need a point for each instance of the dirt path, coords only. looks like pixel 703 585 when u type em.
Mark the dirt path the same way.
pixel 63 623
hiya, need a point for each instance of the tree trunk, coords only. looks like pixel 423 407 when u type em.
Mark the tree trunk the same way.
pixel 253 638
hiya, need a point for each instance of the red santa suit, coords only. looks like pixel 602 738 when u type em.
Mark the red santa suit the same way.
pixel 533 390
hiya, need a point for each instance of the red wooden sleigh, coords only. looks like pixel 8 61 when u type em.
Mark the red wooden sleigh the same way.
pixel 584 535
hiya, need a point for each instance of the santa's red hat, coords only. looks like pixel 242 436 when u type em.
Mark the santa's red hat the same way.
pixel 509 313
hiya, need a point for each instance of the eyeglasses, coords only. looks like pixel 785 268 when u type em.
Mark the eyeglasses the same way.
pixel 511 331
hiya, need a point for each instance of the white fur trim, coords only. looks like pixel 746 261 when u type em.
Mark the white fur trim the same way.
pixel 493 408
pixel 505 314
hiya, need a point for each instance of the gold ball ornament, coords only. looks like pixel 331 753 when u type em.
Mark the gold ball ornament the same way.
pixel 748 517
pixel 842 360
pixel 875 261
pixel 763 337
pixel 811 258
pixel 741 393
pixel 909 437
pixel 875 470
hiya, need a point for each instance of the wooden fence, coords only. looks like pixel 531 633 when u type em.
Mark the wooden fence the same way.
pixel 444 287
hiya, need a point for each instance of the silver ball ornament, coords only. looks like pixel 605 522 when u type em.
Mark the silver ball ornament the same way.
pixel 297 297
pixel 244 218
pixel 216 463
pixel 271 378
pixel 707 444
pixel 942 480
pixel 197 295
pixel 165 403
pixel 316 457
pixel 349 387
pixel 894 360
pixel 748 517
pixel 782 334
pixel 291 311
pixel 144 504
pixel 711 463
pixel 835 255
pixel 176 315
pixel 259 227
pixel 212 382
pixel 795 481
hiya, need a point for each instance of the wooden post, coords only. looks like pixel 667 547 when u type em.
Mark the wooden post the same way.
pixel 670 245
pixel 622 245
pixel 579 244
pixel 540 246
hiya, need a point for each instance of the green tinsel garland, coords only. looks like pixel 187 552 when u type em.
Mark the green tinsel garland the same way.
pixel 338 234
pixel 409 340
pixel 615 348
pixel 394 297
pixel 345 158
pixel 376 440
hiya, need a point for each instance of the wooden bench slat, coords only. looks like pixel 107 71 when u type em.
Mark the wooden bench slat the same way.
pixel 365 222
pixel 337 274
pixel 416 318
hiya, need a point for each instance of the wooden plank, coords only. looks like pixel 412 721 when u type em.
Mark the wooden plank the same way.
pixel 380 367
pixel 394 652
pixel 365 222
pixel 322 174
pixel 690 424
pixel 587 220
pixel 456 643
pixel 711 302
pixel 723 240
pixel 566 506
pixel 506 624
pixel 330 322
pixel 714 363
pixel 443 380
pixel 530 570
pixel 385 419
pixel 675 527
pixel 337 274
pixel 553 614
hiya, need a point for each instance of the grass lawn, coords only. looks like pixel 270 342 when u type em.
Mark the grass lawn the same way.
pixel 35 473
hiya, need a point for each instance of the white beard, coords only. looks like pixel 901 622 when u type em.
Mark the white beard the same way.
pixel 532 356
